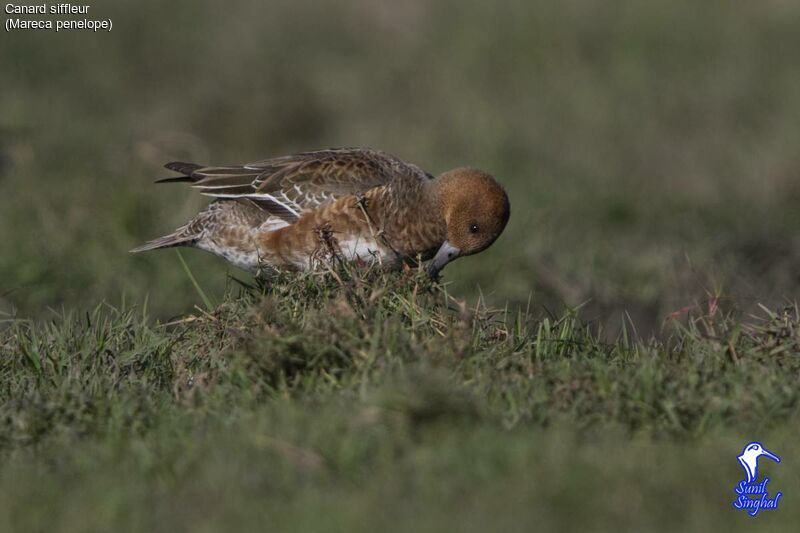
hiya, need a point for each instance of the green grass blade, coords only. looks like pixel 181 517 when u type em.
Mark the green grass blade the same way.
pixel 197 286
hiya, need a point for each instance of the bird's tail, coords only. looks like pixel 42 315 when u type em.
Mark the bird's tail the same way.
pixel 185 235
pixel 178 238
pixel 187 169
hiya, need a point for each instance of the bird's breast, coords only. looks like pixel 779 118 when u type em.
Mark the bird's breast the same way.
pixel 368 229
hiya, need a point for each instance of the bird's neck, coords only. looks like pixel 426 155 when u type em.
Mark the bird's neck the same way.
pixel 414 222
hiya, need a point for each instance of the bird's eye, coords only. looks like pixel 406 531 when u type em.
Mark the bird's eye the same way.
pixel 473 228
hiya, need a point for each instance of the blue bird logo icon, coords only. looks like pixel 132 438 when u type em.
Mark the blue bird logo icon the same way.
pixel 749 459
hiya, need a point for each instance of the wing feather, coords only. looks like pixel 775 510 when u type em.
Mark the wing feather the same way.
pixel 285 186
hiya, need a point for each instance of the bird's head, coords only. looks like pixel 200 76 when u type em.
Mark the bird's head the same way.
pixel 475 209
pixel 755 450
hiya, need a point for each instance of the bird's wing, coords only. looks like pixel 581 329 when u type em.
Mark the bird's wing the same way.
pixel 286 186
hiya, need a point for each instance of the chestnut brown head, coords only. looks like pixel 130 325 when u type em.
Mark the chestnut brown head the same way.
pixel 475 209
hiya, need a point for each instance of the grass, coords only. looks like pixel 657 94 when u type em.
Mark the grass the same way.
pixel 354 400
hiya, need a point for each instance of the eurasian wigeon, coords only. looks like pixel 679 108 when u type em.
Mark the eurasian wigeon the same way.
pixel 360 204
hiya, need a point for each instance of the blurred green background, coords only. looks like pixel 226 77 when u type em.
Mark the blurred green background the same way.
pixel 651 149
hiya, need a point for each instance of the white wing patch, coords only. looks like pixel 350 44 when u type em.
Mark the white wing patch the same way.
pixel 271 224
pixel 282 200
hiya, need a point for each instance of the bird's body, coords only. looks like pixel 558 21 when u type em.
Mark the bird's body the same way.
pixel 360 204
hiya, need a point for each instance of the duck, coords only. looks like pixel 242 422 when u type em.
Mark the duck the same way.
pixel 361 205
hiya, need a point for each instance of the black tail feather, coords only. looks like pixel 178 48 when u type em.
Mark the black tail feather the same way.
pixel 182 167
pixel 176 179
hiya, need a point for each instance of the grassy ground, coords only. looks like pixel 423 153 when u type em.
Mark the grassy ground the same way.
pixel 650 150
pixel 352 401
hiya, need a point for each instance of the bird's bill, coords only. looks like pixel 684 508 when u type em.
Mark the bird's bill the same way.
pixel 771 455
pixel 447 252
